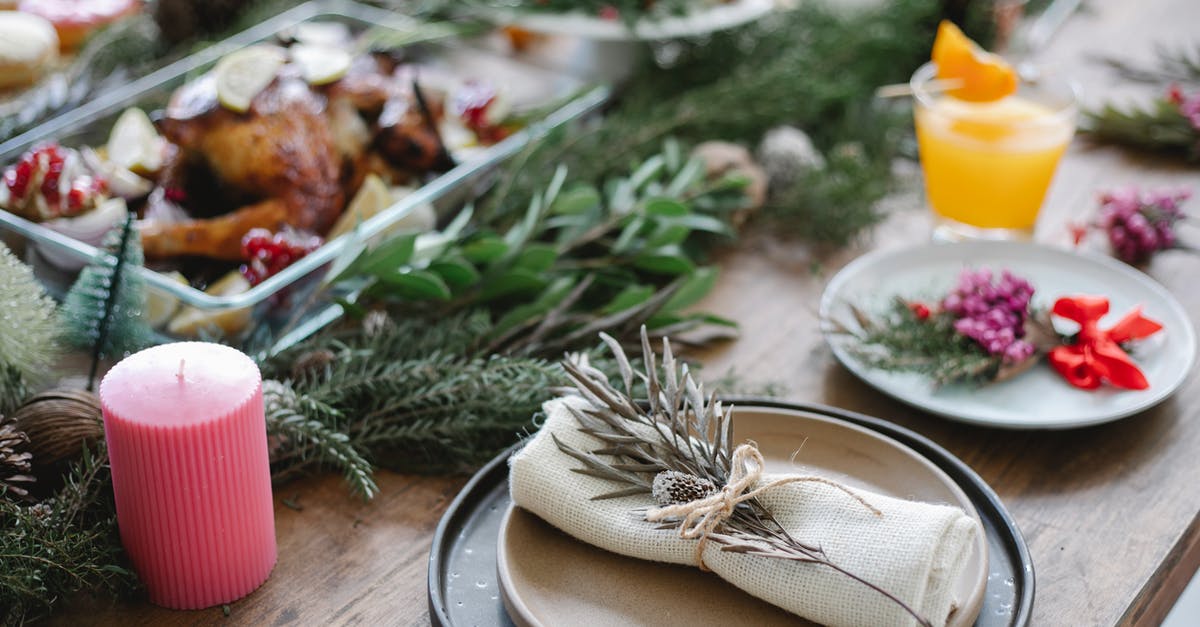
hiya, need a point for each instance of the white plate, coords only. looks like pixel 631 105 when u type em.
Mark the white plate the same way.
pixel 718 17
pixel 1039 398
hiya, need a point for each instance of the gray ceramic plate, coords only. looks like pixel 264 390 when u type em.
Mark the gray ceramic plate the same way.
pixel 463 583
pixel 1039 398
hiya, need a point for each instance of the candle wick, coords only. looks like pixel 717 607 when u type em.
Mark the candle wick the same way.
pixel 179 375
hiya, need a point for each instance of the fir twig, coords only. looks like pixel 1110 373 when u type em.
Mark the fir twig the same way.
pixel 65 544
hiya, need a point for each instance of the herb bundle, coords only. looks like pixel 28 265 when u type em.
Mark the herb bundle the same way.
pixel 661 435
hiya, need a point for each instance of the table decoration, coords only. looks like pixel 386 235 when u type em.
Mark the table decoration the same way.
pixel 464 586
pixel 187 446
pixel 1138 223
pixel 29 332
pixel 715 509
pixel 1170 122
pixel 996 342
pixel 985 330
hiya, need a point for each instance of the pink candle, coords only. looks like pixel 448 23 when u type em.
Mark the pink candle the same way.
pixel 188 447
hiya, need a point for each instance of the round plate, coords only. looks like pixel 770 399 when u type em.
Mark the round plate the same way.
pixel 463 590
pixel 715 18
pixel 1039 398
pixel 549 578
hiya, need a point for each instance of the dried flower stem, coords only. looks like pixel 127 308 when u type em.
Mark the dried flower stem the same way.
pixel 692 434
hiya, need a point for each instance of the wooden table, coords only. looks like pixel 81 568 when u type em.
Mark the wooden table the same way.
pixel 1109 512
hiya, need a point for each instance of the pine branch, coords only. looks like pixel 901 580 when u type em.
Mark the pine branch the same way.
pixel 1160 127
pixel 63 545
pixel 305 437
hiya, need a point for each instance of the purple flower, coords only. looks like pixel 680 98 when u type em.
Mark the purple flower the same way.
pixel 1139 223
pixel 992 312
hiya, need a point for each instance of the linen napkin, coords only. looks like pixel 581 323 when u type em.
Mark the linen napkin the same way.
pixel 915 551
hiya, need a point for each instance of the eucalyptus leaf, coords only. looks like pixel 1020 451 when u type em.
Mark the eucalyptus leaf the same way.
pixel 695 287
pixel 485 249
pixel 390 255
pixel 417 284
pixel 666 260
pixel 691 174
pixel 576 200
pixel 455 271
pixel 667 234
pixel 666 207
pixel 537 257
pixel 631 296
pixel 514 281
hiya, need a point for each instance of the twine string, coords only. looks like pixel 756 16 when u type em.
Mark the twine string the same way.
pixel 702 517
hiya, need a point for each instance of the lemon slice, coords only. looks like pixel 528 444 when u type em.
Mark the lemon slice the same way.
pixel 161 306
pixel 321 65
pixel 134 143
pixel 243 74
pixel 192 322
pixel 373 196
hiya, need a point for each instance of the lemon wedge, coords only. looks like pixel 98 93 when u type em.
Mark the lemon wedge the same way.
pixel 134 143
pixel 243 74
pixel 320 65
pixel 160 305
pixel 372 197
pixel 192 322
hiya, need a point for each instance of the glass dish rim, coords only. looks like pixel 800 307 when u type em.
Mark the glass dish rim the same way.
pixel 107 103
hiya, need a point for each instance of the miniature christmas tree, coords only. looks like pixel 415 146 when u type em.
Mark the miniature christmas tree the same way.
pixel 103 310
pixel 28 330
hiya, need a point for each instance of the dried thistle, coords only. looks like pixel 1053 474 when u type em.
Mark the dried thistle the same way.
pixel 690 449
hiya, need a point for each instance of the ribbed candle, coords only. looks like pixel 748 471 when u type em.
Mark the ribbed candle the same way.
pixel 188 447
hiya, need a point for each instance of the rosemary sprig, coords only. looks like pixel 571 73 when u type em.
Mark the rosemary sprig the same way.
pixel 691 433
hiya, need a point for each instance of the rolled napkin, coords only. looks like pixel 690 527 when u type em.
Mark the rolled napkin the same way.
pixel 914 551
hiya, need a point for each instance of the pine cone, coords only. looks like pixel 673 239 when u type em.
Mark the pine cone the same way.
pixel 59 424
pixel 312 364
pixel 672 487
pixel 14 460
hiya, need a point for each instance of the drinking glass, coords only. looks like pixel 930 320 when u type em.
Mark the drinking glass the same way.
pixel 987 165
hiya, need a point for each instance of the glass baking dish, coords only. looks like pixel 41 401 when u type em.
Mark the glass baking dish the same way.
pixel 90 123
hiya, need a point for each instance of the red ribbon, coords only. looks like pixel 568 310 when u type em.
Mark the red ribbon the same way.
pixel 1096 355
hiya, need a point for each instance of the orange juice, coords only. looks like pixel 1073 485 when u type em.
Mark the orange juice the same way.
pixel 988 165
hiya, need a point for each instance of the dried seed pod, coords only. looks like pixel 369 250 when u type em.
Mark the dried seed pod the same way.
pixel 672 487
pixel 59 423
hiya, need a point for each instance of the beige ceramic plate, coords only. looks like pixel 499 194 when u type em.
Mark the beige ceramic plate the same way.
pixel 549 578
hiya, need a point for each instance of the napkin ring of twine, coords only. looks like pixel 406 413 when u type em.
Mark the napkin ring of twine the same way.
pixel 701 517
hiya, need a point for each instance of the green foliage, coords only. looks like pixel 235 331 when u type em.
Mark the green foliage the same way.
pixel 306 430
pixel 897 341
pixel 579 258
pixel 1159 126
pixel 62 545
pixel 410 397
pixel 812 67
pixel 28 331
pixel 103 309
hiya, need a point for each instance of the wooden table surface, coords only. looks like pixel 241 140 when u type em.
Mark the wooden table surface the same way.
pixel 1109 512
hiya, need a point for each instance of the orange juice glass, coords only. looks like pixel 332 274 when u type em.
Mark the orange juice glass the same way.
pixel 988 165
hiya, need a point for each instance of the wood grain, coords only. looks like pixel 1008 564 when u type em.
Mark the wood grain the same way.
pixel 1109 512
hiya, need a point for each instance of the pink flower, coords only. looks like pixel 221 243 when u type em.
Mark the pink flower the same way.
pixel 1139 223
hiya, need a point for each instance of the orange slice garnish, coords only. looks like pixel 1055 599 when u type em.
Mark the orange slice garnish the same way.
pixel 985 76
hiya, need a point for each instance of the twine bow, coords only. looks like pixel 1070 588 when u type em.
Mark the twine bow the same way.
pixel 1096 355
pixel 703 516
